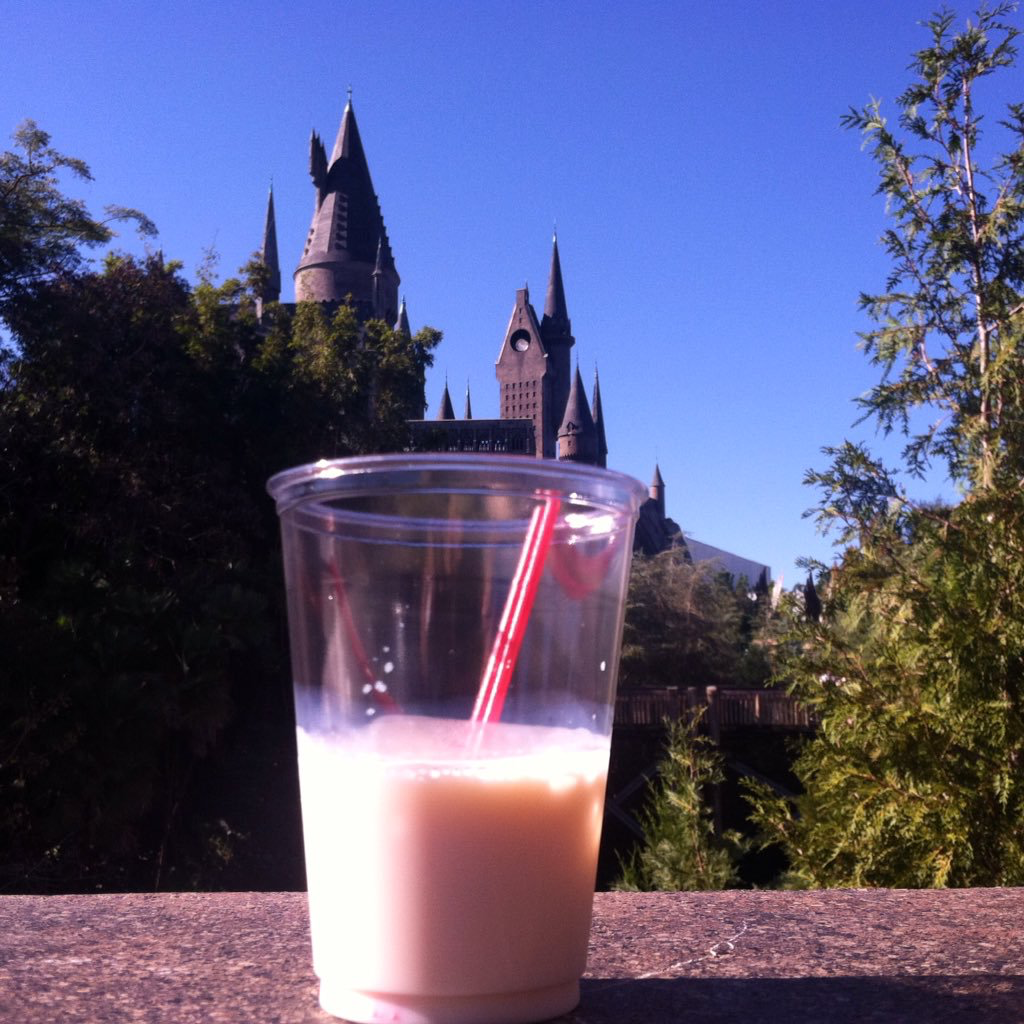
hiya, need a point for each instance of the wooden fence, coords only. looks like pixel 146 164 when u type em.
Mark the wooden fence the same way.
pixel 726 709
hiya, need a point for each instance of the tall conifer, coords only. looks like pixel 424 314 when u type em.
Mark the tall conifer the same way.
pixel 916 667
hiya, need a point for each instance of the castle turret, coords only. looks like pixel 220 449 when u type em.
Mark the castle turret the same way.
pixel 556 332
pixel 577 438
pixel 377 297
pixel 347 253
pixel 657 490
pixel 271 290
pixel 447 411
pixel 595 407
pixel 402 323
pixel 812 603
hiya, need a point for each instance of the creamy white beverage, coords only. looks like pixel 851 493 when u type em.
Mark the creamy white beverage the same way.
pixel 451 867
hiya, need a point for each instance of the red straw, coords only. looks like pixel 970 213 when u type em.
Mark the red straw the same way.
pixel 516 615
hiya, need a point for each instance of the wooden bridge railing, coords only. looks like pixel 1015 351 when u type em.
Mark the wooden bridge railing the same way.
pixel 725 708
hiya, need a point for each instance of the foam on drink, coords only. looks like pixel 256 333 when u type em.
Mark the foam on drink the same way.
pixel 451 867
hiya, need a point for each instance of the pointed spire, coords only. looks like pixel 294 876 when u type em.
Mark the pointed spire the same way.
pixel 376 291
pixel 268 254
pixel 595 405
pixel 447 412
pixel 554 303
pixel 402 323
pixel 317 165
pixel 812 603
pixel 577 439
pixel 556 332
pixel 469 407
pixel 347 241
pixel 657 490
pixel 348 143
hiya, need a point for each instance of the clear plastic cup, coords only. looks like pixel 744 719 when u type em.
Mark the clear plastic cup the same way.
pixel 455 624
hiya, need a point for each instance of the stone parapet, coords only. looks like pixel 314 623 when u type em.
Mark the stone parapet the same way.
pixel 835 956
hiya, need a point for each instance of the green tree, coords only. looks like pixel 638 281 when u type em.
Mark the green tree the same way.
pixel 681 851
pixel 43 231
pixel 144 695
pixel 362 382
pixel 687 625
pixel 915 671
pixel 134 605
pixel 915 668
pixel 949 320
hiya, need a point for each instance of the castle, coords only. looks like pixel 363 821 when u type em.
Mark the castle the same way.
pixel 544 409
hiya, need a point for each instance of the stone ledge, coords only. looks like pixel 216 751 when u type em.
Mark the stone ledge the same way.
pixel 836 956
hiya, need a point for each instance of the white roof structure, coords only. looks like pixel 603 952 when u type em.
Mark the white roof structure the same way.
pixel 735 565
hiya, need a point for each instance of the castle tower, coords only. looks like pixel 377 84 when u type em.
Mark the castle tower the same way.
pixel 524 376
pixel 595 407
pixel 534 368
pixel 447 410
pixel 556 333
pixel 271 291
pixel 347 252
pixel 577 436
pixel 657 490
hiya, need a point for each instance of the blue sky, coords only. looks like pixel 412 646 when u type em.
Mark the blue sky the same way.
pixel 715 223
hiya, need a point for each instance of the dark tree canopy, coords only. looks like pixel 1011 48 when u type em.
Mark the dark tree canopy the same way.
pixel 689 624
pixel 145 719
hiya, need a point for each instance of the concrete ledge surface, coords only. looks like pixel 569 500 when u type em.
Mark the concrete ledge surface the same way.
pixel 835 956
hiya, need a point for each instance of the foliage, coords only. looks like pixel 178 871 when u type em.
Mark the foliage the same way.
pixel 686 625
pixel 139 582
pixel 124 555
pixel 372 377
pixel 916 672
pixel 915 667
pixel 681 851
pixel 950 319
pixel 42 231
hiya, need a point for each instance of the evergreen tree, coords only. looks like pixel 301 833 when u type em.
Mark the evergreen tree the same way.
pixel 681 851
pixel 916 665
pixel 687 625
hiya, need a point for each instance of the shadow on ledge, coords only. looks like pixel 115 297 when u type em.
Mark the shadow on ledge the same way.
pixel 935 999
